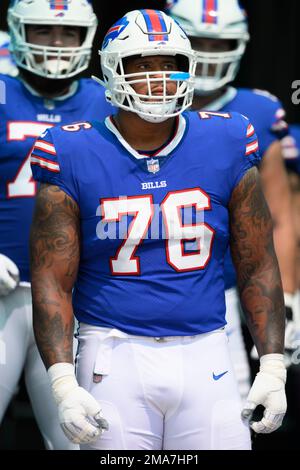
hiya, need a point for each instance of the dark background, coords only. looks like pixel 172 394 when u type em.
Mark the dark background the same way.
pixel 271 62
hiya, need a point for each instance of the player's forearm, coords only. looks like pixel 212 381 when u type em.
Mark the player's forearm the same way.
pixel 263 305
pixel 52 321
pixel 54 248
pixel 262 299
pixel 256 264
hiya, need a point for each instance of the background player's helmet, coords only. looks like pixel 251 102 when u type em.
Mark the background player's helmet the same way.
pixel 7 65
pixel 58 62
pixel 147 33
pixel 216 19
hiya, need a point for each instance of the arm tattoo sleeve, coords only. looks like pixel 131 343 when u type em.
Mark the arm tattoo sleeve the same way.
pixel 256 264
pixel 54 253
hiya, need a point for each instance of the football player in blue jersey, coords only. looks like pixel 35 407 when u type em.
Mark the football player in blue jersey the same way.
pixel 51 44
pixel 218 31
pixel 291 152
pixel 132 222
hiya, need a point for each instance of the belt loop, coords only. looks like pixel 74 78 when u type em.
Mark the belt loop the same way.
pixel 103 356
pixel 104 352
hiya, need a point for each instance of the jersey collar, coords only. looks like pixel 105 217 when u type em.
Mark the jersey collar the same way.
pixel 163 151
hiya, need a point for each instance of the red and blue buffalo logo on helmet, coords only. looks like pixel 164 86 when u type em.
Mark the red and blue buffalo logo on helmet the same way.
pixel 115 31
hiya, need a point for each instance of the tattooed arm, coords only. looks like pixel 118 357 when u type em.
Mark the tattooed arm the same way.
pixel 54 244
pixel 55 251
pixel 255 261
pixel 261 296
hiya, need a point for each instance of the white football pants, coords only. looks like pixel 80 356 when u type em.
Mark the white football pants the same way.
pixel 162 393
pixel 18 351
pixel 236 343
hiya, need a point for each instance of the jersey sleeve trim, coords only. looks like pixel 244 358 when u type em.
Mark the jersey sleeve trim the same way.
pixel 250 131
pixel 249 151
pixel 45 163
pixel 50 166
pixel 252 147
pixel 45 146
pixel 44 155
pixel 280 125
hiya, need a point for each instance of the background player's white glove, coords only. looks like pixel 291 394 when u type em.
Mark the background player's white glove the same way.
pixel 9 275
pixel 80 415
pixel 268 389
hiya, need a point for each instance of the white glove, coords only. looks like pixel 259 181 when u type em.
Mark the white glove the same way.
pixel 9 275
pixel 268 389
pixel 80 415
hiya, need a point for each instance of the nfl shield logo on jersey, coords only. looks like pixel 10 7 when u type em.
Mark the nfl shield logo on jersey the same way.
pixel 153 165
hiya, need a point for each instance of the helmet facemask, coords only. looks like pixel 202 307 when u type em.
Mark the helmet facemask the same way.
pixel 216 69
pixel 215 21
pixel 167 93
pixel 47 61
pixel 176 87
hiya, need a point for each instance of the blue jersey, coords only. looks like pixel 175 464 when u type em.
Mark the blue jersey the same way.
pixel 154 228
pixel 291 148
pixel 23 118
pixel 267 116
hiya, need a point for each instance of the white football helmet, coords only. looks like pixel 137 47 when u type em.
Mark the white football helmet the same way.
pixel 148 33
pixel 216 19
pixel 58 62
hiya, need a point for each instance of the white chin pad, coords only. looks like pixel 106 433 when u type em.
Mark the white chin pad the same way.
pixel 157 112
pixel 54 66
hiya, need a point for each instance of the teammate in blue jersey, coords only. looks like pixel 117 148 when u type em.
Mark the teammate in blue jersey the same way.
pixel 291 152
pixel 218 31
pixel 134 216
pixel 50 46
